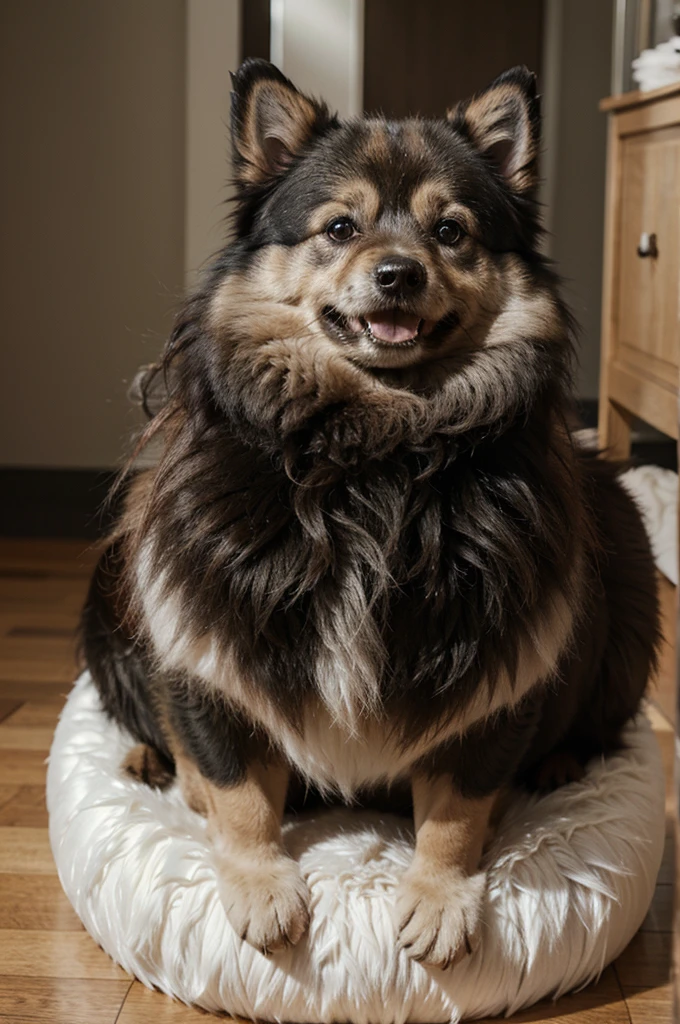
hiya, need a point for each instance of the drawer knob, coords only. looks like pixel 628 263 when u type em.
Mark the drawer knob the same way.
pixel 647 246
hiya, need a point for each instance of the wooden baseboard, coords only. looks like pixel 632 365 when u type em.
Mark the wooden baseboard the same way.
pixel 55 502
pixel 587 410
pixel 73 502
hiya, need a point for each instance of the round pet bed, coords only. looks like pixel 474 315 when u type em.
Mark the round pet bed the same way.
pixel 570 878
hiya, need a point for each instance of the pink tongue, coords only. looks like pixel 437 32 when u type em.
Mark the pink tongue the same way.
pixel 393 327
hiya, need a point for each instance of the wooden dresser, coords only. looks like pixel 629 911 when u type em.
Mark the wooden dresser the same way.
pixel 641 311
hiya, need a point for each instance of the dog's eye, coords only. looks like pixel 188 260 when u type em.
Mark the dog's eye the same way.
pixel 341 229
pixel 448 232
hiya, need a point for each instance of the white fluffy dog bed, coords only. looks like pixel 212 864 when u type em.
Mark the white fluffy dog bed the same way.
pixel 570 878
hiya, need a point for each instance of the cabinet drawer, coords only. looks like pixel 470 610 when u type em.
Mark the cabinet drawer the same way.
pixel 647 334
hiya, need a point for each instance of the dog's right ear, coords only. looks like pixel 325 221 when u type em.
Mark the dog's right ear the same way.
pixel 271 122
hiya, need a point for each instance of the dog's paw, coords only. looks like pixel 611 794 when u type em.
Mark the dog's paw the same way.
pixel 438 915
pixel 266 901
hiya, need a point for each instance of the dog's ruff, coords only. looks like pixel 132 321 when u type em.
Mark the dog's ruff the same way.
pixel 570 878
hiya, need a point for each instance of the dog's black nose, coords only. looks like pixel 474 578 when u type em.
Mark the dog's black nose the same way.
pixel 400 276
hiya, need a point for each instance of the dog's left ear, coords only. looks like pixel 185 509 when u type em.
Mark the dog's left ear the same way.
pixel 504 123
pixel 271 122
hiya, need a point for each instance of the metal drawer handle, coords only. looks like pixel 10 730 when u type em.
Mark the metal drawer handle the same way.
pixel 647 246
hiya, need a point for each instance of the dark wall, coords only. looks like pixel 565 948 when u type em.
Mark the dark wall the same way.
pixel 255 28
pixel 422 57
pixel 577 221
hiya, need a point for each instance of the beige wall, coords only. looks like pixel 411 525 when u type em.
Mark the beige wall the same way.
pixel 213 50
pixel 92 178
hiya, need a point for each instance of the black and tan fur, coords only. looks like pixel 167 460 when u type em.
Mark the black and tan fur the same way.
pixel 361 562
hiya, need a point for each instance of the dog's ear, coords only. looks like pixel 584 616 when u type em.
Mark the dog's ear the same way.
pixel 504 123
pixel 271 122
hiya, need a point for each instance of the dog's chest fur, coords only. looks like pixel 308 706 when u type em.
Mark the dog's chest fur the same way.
pixel 334 742
pixel 384 614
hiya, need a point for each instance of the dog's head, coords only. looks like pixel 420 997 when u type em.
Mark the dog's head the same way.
pixel 387 232
pixel 374 254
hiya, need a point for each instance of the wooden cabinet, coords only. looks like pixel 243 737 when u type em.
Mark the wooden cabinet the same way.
pixel 641 307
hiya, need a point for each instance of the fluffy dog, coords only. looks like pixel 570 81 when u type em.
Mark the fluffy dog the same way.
pixel 371 552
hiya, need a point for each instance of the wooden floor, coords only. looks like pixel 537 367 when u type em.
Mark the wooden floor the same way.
pixel 51 972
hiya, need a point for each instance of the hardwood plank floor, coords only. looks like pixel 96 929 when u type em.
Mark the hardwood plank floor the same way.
pixel 51 972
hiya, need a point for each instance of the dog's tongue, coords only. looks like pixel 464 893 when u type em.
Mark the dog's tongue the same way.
pixel 393 327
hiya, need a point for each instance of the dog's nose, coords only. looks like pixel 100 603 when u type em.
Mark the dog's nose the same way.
pixel 400 276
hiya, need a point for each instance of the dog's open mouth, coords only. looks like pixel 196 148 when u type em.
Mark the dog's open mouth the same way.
pixel 389 328
pixel 392 328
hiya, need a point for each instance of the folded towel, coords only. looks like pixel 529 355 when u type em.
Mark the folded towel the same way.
pixel 658 67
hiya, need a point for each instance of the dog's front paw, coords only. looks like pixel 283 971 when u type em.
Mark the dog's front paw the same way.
pixel 438 915
pixel 266 901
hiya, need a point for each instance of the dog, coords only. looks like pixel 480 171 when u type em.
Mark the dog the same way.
pixel 371 552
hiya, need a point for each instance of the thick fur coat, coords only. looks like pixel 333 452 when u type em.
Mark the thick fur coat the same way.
pixel 371 552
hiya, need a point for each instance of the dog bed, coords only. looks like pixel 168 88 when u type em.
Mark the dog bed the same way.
pixel 570 878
